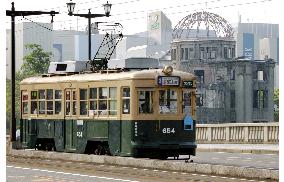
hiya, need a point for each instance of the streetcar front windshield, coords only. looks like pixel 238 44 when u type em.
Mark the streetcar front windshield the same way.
pixel 145 101
pixel 167 101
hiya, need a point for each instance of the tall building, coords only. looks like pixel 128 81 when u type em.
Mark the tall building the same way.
pixel 159 31
pixel 258 41
pixel 154 43
pixel 27 33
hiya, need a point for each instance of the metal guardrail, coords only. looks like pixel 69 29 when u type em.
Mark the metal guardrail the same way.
pixel 238 133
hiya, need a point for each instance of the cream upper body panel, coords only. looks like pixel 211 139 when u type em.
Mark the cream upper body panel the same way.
pixel 133 75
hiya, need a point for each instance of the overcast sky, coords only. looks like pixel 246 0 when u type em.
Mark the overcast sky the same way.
pixel 132 14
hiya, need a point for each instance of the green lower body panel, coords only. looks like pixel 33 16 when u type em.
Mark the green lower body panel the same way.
pixel 123 138
pixel 162 139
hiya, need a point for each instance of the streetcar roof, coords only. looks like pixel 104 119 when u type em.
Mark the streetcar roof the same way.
pixel 143 74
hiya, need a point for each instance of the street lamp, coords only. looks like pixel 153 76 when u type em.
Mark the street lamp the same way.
pixel 107 8
pixel 71 7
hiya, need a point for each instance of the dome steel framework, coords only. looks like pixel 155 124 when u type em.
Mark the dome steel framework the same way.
pixel 221 26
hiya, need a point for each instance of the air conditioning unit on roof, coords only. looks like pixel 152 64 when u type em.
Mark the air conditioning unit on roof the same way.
pixel 68 67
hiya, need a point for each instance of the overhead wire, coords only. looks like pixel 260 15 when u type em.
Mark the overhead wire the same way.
pixel 83 9
pixel 40 16
pixel 38 24
pixel 127 13
pixel 172 8
pixel 208 8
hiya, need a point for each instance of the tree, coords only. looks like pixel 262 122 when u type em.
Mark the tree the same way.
pixel 8 100
pixel 35 63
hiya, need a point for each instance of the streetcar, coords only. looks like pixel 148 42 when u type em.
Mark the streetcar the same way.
pixel 141 113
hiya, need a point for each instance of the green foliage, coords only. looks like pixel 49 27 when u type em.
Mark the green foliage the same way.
pixel 8 100
pixel 35 63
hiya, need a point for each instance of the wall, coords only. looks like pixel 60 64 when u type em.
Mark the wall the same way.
pixel 64 44
pixel 81 46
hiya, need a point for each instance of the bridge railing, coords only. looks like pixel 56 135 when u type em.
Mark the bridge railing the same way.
pixel 238 133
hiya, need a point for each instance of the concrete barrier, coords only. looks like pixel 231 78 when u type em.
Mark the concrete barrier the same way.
pixel 250 133
pixel 153 164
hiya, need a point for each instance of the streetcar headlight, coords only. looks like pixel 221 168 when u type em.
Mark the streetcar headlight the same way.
pixel 167 70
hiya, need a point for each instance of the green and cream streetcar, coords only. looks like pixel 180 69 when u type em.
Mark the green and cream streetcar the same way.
pixel 147 113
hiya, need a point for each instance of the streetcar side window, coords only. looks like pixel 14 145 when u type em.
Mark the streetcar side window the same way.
pixel 103 94
pixel 41 101
pixel 68 103
pixel 83 102
pixel 145 101
pixel 57 100
pixel 93 101
pixel 126 100
pixel 49 101
pixel 186 98
pixel 25 99
pixel 74 106
pixel 33 102
pixel 168 101
pixel 112 103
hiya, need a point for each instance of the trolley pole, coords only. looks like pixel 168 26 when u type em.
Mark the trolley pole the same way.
pixel 13 14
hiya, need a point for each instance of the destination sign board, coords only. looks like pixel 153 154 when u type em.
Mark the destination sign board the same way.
pixel 168 80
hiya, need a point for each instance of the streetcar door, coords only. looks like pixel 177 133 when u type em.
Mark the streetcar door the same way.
pixel 69 113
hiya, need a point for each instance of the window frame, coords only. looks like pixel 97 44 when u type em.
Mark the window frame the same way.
pixel 190 91
pixel 83 100
pixel 40 100
pixel 24 101
pixel 125 98
pixel 151 103
pixel 74 102
pixel 170 100
pixel 49 100
pixel 67 101
pixel 112 100
pixel 103 112
pixel 57 100
pixel 92 112
pixel 34 100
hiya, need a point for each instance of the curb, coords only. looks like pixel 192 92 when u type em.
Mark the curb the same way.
pixel 153 164
pixel 253 151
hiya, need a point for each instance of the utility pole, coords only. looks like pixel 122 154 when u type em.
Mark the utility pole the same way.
pixel 13 14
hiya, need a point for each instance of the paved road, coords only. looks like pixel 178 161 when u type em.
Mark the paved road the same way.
pixel 32 170
pixel 266 161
